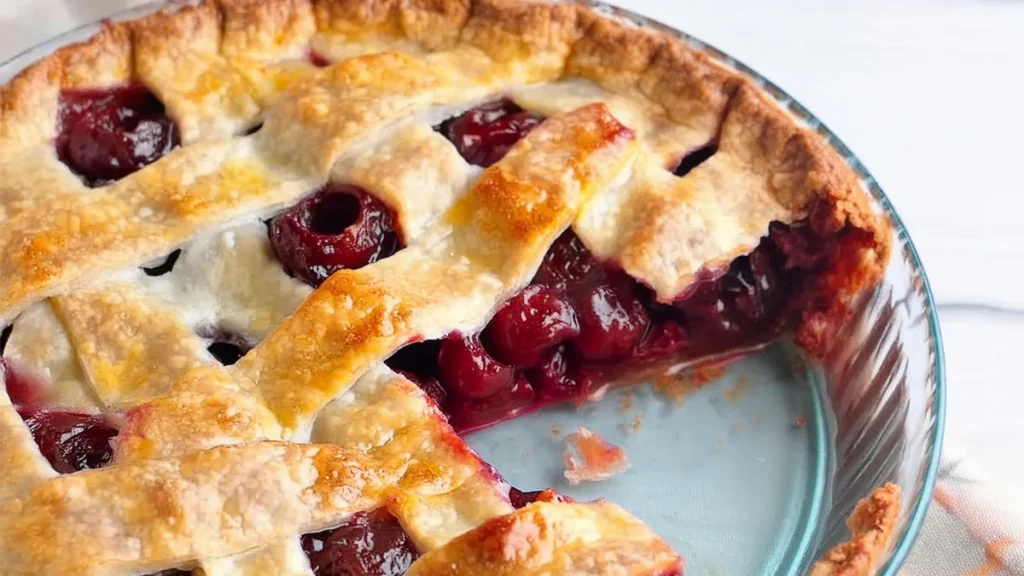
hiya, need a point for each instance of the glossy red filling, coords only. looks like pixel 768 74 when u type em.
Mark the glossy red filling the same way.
pixel 368 544
pixel 338 227
pixel 581 322
pixel 104 135
pixel 70 441
pixel 485 134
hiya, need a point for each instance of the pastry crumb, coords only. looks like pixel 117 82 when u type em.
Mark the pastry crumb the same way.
pixel 871 526
pixel 556 431
pixel 590 458
pixel 734 392
pixel 800 422
pixel 626 402
pixel 677 386
pixel 632 427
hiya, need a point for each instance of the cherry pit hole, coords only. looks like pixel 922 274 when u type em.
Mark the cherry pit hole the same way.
pixel 338 227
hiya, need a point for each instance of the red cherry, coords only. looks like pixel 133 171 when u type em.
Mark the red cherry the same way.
pixel 552 378
pixel 566 262
pixel 106 135
pixel 752 283
pixel 612 320
pixel 71 441
pixel 318 60
pixel 665 338
pixel 468 415
pixel 485 134
pixel 338 227
pixel 368 544
pixel 468 371
pixel 529 324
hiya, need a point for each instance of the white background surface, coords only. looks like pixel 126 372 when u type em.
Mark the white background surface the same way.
pixel 930 95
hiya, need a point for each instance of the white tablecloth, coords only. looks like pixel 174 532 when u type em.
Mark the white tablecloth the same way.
pixel 929 95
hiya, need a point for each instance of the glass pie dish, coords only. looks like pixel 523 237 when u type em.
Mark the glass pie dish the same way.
pixel 756 470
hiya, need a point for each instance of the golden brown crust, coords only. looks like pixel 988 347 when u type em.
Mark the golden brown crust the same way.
pixel 554 538
pixel 435 24
pixel 871 527
pixel 686 84
pixel 253 28
pixel 213 63
pixel 512 29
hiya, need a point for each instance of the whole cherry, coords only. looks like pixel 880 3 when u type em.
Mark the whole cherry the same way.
pixel 468 371
pixel 612 319
pixel 336 228
pixel 483 135
pixel 529 324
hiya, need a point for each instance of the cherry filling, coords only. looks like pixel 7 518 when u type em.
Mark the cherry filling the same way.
pixel 581 321
pixel 369 544
pixel 338 227
pixel 318 60
pixel 485 134
pixel 70 441
pixel 104 135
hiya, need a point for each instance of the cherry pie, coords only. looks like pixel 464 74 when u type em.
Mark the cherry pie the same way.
pixel 261 263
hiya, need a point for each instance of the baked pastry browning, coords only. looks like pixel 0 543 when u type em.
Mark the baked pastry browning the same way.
pixel 871 526
pixel 262 263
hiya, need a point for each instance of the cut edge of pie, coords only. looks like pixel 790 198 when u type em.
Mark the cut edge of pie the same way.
pixel 222 69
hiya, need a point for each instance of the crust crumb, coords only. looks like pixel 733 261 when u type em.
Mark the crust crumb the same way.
pixel 626 402
pixel 632 427
pixel 677 386
pixel 871 526
pixel 594 459
pixel 800 422
pixel 734 392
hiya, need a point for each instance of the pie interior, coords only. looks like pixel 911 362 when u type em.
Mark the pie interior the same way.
pixel 262 263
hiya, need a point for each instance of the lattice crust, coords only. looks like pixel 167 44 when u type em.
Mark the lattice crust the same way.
pixel 42 352
pixel 210 444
